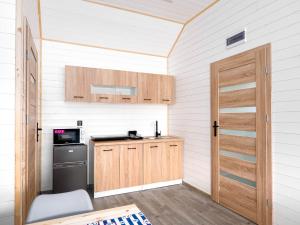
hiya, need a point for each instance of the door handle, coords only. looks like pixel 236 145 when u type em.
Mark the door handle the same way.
pixel 37 132
pixel 215 126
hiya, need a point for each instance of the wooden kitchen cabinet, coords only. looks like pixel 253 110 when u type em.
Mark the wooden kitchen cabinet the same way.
pixel 106 168
pixel 77 84
pixel 115 86
pixel 102 82
pixel 131 165
pixel 104 77
pixel 174 160
pixel 148 88
pixel 126 79
pixel 153 163
pixel 167 90
pixel 126 83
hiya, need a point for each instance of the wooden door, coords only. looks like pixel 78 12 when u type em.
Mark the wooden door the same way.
pixel 32 159
pixel 167 90
pixel 175 157
pixel 153 162
pixel 241 134
pixel 107 168
pixel 131 165
pixel 77 82
pixel 148 88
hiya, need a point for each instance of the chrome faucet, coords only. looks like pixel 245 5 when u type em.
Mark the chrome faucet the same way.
pixel 157 134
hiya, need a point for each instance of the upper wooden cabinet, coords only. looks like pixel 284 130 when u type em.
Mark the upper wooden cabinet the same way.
pixel 148 88
pixel 127 87
pixel 115 86
pixel 167 90
pixel 77 84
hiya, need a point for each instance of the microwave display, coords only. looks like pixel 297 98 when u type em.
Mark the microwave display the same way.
pixel 66 136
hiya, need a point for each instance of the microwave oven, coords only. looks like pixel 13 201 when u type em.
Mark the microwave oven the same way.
pixel 67 136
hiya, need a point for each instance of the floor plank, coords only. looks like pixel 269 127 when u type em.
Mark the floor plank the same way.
pixel 175 205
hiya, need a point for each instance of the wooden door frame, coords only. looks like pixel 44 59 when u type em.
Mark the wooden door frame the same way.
pixel 264 82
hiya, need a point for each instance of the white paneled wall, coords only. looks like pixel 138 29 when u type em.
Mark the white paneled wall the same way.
pixel 7 110
pixel 98 119
pixel 203 42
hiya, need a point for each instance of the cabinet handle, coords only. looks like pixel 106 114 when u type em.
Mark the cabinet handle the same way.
pixel 131 148
pixel 126 98
pixel 173 145
pixel 166 100
pixel 76 96
pixel 147 99
pixel 107 150
pixel 154 146
pixel 103 97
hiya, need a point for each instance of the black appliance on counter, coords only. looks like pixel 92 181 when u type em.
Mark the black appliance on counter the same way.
pixel 132 135
pixel 69 161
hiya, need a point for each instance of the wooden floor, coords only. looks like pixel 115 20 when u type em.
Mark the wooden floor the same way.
pixel 175 205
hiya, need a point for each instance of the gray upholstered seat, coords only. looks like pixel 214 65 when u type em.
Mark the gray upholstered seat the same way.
pixel 50 206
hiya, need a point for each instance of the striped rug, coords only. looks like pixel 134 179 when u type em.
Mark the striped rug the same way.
pixel 132 219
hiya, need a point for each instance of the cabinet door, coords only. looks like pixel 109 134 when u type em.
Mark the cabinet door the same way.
pixel 103 86
pixel 153 162
pixel 167 90
pixel 148 88
pixel 105 77
pixel 175 160
pixel 107 168
pixel 126 83
pixel 131 165
pixel 77 84
pixel 126 79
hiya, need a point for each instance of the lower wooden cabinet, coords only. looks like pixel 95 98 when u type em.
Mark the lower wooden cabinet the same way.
pixel 153 162
pixel 175 160
pixel 131 165
pixel 107 168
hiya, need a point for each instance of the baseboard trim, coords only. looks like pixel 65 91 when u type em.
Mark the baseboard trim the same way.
pixel 136 188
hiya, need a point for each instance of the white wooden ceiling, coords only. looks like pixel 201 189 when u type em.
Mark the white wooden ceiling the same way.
pixel 83 22
pixel 175 10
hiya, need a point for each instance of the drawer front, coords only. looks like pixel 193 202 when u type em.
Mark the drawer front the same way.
pixel 167 101
pixel 79 98
pixel 70 153
pixel 126 99
pixel 147 100
pixel 104 98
